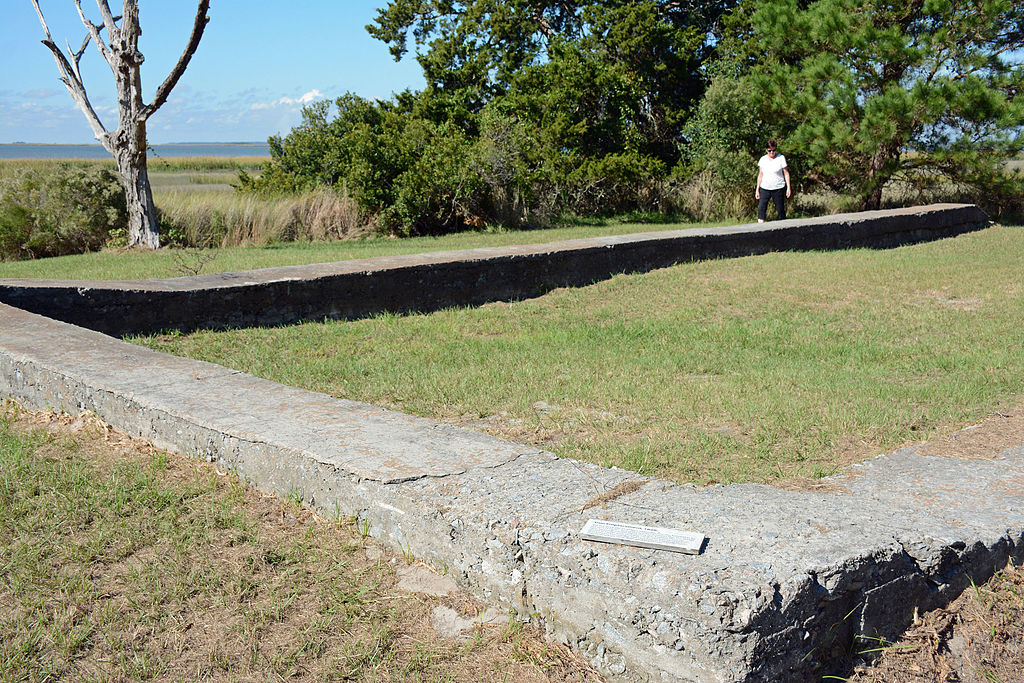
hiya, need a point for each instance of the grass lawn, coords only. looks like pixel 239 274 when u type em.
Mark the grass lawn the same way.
pixel 751 369
pixel 121 562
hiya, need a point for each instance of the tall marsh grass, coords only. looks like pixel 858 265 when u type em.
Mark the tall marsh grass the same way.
pixel 210 219
pixel 156 165
pixel 199 207
pixel 161 164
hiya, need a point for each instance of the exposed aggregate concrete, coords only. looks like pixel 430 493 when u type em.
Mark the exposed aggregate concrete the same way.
pixel 784 584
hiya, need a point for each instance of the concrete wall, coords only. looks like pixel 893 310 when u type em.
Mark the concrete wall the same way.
pixel 427 282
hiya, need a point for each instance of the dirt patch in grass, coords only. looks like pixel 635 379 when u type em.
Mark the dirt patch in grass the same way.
pixel 998 432
pixel 985 441
pixel 119 561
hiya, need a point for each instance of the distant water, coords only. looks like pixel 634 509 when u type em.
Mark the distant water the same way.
pixel 217 149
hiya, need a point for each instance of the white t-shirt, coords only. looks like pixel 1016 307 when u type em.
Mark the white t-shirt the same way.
pixel 772 177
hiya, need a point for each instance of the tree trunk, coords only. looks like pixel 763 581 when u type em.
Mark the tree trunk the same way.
pixel 878 174
pixel 872 200
pixel 129 141
pixel 143 227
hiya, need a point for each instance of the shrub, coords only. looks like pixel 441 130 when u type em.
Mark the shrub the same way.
pixel 513 166
pixel 435 190
pixel 58 210
pixel 320 151
pixel 614 184
pixel 409 175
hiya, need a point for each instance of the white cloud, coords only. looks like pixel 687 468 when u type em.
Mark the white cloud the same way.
pixel 288 101
pixel 41 93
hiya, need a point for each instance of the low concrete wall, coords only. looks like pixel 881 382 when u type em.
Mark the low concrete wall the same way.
pixel 425 282
pixel 785 582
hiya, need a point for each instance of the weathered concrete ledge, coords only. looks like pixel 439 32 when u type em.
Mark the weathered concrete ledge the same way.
pixel 784 584
pixel 425 282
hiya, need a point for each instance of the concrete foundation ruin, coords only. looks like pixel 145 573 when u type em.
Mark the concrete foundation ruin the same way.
pixel 783 585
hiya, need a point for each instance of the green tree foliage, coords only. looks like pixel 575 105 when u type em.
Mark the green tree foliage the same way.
pixel 582 122
pixel 536 109
pixel 868 91
pixel 59 210
pixel 476 51
pixel 533 108
pixel 410 173
pixel 471 51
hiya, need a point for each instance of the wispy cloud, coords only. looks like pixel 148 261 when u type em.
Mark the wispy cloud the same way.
pixel 17 119
pixel 190 114
pixel 41 93
pixel 288 101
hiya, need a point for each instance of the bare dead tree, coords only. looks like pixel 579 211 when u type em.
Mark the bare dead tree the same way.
pixel 127 144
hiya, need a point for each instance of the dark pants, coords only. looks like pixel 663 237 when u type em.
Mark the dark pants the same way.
pixel 779 196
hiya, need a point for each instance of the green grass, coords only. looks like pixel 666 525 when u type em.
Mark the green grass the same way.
pixel 120 562
pixel 749 369
pixel 222 180
pixel 134 265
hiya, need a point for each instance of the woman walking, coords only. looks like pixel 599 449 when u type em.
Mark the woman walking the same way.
pixel 772 182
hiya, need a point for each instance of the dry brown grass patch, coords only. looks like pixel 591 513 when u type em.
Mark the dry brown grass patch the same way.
pixel 998 432
pixel 978 638
pixel 285 593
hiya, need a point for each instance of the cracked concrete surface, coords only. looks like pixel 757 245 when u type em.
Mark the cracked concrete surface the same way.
pixel 785 582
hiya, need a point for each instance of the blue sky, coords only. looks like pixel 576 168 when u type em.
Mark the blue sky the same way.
pixel 258 62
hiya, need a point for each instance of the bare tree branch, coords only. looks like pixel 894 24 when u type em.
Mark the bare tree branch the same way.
pixel 46 29
pixel 193 42
pixel 78 58
pixel 109 20
pixel 71 79
pixel 77 91
pixel 94 31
